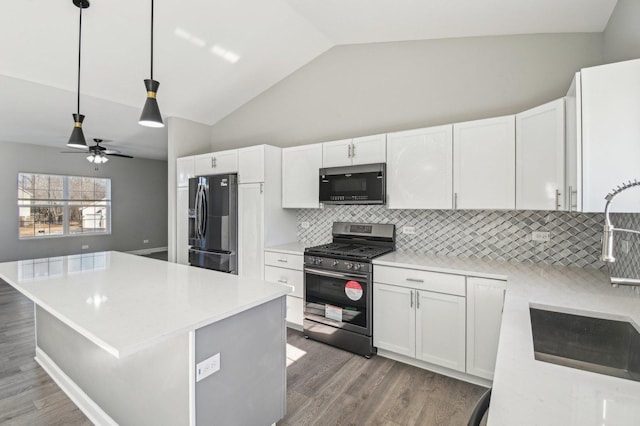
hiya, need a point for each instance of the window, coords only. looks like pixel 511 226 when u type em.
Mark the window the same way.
pixel 52 205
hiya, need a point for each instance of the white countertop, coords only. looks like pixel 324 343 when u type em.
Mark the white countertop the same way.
pixel 124 303
pixel 290 248
pixel 530 392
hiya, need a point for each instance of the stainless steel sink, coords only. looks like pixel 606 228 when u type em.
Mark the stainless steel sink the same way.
pixel 598 345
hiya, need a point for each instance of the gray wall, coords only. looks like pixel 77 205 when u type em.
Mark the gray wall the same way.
pixel 356 90
pixel 622 35
pixel 138 193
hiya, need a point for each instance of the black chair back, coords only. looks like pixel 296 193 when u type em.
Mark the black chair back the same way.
pixel 480 409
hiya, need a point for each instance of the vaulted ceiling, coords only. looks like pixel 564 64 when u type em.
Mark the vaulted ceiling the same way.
pixel 212 56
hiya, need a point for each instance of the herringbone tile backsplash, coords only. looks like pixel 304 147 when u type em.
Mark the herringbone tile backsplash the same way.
pixel 488 234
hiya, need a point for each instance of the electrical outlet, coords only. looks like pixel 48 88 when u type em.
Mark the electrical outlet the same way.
pixel 409 230
pixel 304 225
pixel 542 236
pixel 624 246
pixel 85 246
pixel 145 241
pixel 207 367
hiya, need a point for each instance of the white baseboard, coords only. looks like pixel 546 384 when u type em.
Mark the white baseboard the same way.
pixel 436 368
pixel 148 250
pixel 90 409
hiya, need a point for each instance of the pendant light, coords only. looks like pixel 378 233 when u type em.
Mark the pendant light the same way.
pixel 151 116
pixel 77 136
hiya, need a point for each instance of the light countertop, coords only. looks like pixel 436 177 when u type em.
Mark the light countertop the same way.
pixel 530 392
pixel 124 303
pixel 290 248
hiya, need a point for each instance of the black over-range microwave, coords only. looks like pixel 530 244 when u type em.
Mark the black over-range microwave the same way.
pixel 363 184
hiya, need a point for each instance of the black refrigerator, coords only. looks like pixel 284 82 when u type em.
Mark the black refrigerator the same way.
pixel 213 222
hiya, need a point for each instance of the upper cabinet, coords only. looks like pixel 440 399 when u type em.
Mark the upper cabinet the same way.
pixel 610 134
pixel 540 157
pixel 484 164
pixel 347 152
pixel 573 147
pixel 300 166
pixel 185 170
pixel 251 164
pixel 217 163
pixel 420 168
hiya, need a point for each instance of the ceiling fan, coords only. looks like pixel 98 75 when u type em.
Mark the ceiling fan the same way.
pixel 97 153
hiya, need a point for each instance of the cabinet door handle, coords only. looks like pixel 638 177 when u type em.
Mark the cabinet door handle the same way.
pixel 353 150
pixel 411 303
pixel 570 199
pixel 349 151
pixel 557 199
pixel 283 281
pixel 283 260
pixel 213 162
pixel 455 201
pixel 415 280
pixel 261 188
pixel 573 203
pixel 417 299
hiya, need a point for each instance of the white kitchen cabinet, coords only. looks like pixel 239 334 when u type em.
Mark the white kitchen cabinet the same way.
pixel 251 230
pixel 420 168
pixel 412 319
pixel 573 146
pixel 300 174
pixel 485 299
pixel 217 163
pixel 185 170
pixel 261 219
pixel 361 150
pixel 484 164
pixel 610 134
pixel 182 225
pixel 286 268
pixel 540 145
pixel 394 322
pixel 440 329
pixel 251 164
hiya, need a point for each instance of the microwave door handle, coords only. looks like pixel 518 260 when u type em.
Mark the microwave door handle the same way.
pixel 334 274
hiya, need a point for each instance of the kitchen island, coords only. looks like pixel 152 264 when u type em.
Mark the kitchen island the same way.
pixel 123 335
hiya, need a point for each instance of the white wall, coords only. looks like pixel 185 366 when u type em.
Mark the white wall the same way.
pixel 137 193
pixel 622 35
pixel 355 90
pixel 185 137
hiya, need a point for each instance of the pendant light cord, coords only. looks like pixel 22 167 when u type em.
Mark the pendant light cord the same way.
pixel 79 55
pixel 151 39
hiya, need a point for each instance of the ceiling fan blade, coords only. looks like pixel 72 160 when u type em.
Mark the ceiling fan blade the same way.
pixel 111 151
pixel 74 152
pixel 120 155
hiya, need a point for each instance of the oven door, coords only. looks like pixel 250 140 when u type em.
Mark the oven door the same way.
pixel 338 299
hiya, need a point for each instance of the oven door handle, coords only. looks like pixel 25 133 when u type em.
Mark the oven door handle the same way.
pixel 334 274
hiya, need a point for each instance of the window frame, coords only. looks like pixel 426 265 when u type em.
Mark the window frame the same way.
pixel 66 203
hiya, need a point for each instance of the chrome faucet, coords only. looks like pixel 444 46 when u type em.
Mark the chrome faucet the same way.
pixel 609 229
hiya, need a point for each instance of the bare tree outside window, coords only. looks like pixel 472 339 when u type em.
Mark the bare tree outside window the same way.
pixel 52 205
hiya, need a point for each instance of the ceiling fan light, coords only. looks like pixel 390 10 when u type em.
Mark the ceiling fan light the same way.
pixel 104 159
pixel 91 158
pixel 151 116
pixel 76 140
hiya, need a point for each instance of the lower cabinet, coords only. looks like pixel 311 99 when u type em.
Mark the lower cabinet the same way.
pixel 485 298
pixel 447 320
pixel 411 320
pixel 286 268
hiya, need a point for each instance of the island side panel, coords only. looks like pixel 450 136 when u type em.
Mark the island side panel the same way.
pixel 148 387
pixel 250 387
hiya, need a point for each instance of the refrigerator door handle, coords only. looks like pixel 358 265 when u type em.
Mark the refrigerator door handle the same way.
pixel 205 212
pixel 199 212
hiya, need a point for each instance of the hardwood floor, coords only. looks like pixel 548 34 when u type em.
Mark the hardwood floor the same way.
pixel 27 395
pixel 326 386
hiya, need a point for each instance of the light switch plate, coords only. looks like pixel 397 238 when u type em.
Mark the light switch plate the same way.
pixel 409 230
pixel 540 236
pixel 304 225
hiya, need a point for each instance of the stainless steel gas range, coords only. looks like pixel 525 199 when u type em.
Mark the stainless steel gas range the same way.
pixel 338 280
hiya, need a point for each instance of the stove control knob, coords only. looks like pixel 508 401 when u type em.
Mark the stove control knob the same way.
pixel 357 266
pixel 319 261
pixel 349 265
pixel 334 263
